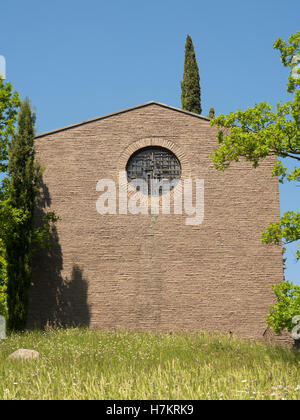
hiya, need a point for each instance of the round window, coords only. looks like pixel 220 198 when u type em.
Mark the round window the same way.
pixel 153 170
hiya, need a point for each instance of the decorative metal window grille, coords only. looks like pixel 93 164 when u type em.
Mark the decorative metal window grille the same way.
pixel 157 166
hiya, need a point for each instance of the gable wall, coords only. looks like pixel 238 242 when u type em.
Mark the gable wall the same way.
pixel 154 272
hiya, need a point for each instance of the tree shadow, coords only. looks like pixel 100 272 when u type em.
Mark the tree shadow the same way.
pixel 296 345
pixel 54 299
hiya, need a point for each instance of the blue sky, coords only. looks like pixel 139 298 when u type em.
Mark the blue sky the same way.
pixel 77 60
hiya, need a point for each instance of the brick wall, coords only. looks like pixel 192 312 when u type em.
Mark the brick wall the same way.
pixel 149 272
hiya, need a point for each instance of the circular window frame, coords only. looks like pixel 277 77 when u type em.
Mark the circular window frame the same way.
pixel 154 171
pixel 159 142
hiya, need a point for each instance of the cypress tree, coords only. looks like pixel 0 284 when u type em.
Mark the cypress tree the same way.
pixel 211 113
pixel 190 85
pixel 23 188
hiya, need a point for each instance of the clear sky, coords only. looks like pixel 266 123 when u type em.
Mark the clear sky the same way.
pixel 80 59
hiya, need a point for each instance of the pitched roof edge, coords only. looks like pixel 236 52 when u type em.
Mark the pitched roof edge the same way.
pixel 102 117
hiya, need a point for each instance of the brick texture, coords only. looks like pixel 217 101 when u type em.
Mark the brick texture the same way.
pixel 148 272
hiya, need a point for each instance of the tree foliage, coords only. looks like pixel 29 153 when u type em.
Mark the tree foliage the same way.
pixel 19 237
pixel 190 85
pixel 284 232
pixel 259 132
pixel 9 105
pixel 22 191
pixel 290 57
pixel 286 307
pixel 211 113
pixel 10 218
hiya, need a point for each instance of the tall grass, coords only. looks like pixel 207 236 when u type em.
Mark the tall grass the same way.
pixel 85 364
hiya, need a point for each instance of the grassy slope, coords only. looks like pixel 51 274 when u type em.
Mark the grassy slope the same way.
pixel 85 364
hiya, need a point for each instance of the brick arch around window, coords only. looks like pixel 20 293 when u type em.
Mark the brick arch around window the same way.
pixel 157 142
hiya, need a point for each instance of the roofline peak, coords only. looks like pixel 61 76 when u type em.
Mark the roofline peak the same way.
pixel 47 133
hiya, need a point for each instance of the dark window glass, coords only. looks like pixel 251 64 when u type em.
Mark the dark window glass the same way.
pixel 157 166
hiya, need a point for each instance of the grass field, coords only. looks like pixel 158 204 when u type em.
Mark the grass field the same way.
pixel 85 364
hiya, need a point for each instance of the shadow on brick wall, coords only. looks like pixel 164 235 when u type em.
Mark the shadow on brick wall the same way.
pixel 55 300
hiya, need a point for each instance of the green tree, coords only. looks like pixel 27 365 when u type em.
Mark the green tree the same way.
pixel 190 85
pixel 24 177
pixel 259 132
pixel 9 105
pixel 23 238
pixel 19 238
pixel 287 306
pixel 211 113
pixel 10 218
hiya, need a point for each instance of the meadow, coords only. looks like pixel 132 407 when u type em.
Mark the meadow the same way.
pixel 80 363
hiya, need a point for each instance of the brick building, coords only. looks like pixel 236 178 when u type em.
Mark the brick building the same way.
pixel 153 271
